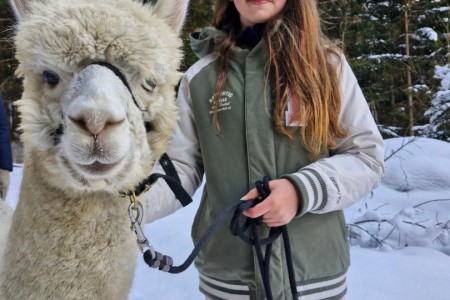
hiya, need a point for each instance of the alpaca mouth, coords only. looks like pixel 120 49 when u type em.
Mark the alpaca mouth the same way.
pixel 98 167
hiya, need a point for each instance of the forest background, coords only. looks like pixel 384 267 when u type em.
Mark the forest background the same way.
pixel 399 51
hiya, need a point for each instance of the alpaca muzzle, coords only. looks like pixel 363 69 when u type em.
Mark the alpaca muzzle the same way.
pixel 148 126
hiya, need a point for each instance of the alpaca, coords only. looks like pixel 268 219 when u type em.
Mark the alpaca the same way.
pixel 6 213
pixel 96 113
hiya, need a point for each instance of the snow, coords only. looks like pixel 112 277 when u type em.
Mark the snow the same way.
pixel 378 57
pixel 400 233
pixel 412 273
pixel 443 73
pixel 429 33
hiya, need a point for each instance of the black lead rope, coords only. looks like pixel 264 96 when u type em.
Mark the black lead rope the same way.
pixel 255 240
pixel 165 263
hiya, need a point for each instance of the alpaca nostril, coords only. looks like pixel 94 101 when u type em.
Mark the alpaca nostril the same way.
pixel 112 123
pixel 79 122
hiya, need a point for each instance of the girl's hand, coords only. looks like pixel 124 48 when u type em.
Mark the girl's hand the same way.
pixel 279 208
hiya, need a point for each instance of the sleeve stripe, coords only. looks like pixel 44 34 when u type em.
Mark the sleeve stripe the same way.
pixel 311 185
pixel 307 189
pixel 319 186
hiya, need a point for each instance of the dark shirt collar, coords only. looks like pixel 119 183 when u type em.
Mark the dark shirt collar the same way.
pixel 249 37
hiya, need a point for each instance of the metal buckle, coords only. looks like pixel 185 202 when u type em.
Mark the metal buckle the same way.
pixel 136 220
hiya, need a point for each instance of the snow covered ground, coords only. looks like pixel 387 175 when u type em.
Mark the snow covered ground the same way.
pixel 400 233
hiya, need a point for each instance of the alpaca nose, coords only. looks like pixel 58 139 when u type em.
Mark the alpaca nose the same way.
pixel 95 122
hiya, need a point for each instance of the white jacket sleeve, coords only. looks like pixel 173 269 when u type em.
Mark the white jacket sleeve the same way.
pixel 355 167
pixel 184 151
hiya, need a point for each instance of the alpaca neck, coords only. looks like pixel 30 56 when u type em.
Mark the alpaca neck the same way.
pixel 75 246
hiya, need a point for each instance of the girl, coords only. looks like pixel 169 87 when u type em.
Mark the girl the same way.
pixel 271 95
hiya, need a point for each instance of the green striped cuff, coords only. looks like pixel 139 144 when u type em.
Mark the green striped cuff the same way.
pixel 311 188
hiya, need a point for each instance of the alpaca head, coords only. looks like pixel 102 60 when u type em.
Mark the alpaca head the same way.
pixel 99 78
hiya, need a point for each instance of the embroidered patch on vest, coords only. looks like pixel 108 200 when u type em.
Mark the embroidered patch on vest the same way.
pixel 224 101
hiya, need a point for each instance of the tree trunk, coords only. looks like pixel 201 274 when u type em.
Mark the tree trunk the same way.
pixel 408 72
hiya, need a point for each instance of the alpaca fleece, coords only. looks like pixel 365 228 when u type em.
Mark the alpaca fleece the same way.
pixel 70 236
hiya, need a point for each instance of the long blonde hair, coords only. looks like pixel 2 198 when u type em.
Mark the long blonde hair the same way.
pixel 300 63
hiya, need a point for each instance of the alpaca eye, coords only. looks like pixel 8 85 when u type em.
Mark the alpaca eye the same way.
pixel 149 85
pixel 50 78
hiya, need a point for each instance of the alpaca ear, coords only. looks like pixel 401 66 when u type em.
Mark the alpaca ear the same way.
pixel 172 11
pixel 20 8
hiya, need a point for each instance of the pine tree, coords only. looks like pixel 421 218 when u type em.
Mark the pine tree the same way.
pixel 375 45
pixel 200 16
pixel 9 85
pixel 439 112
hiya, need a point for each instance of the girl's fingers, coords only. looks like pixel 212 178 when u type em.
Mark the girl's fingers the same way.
pixel 252 194
pixel 257 211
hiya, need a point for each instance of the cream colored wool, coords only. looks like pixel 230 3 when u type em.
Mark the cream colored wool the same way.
pixel 6 213
pixel 70 236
